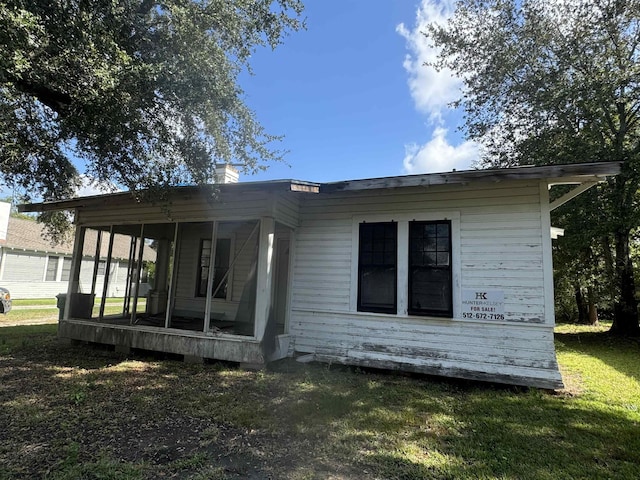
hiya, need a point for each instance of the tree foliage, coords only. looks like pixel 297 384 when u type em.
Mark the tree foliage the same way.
pixel 145 93
pixel 556 82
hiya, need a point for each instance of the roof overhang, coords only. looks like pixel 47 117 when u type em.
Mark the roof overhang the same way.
pixel 553 174
pixel 583 174
pixel 111 199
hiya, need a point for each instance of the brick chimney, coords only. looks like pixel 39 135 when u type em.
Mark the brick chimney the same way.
pixel 226 173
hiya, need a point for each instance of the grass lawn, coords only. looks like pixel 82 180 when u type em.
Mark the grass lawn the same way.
pixel 51 302
pixel 70 412
pixel 44 310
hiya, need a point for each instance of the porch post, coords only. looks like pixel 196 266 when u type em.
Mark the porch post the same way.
pixel 107 268
pixel 96 261
pixel 76 263
pixel 130 266
pixel 138 275
pixel 212 267
pixel 264 275
pixel 174 276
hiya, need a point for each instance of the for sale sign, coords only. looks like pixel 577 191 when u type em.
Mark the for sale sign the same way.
pixel 481 304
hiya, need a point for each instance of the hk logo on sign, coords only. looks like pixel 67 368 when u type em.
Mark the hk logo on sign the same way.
pixel 481 295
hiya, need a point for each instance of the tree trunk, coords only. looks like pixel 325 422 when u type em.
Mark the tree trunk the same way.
pixel 625 321
pixel 580 303
pixel 593 307
pixel 609 266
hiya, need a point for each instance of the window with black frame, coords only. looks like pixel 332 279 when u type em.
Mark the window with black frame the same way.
pixel 377 267
pixel 221 266
pixel 430 285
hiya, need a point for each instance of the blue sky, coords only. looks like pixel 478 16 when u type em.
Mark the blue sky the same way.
pixel 352 97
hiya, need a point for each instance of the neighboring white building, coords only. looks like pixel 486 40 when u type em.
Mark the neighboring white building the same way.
pixel 448 274
pixel 31 267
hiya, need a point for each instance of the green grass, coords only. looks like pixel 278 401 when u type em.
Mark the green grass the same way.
pixel 86 412
pixel 47 314
pixel 45 310
pixel 18 302
pixel 21 302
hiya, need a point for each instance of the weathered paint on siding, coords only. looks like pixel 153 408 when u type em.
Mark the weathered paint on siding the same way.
pixel 500 247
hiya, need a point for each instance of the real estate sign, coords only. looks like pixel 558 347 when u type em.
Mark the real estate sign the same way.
pixel 482 304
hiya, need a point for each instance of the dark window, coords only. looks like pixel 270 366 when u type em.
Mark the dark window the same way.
pixel 377 267
pixel 430 269
pixel 52 269
pixel 221 267
pixel 66 269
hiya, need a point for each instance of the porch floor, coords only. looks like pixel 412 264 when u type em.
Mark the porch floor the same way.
pixel 178 322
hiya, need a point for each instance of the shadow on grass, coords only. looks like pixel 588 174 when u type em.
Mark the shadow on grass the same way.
pixel 428 428
pixel 175 420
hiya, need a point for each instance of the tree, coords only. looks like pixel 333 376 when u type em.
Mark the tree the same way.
pixel 145 93
pixel 556 82
pixel 583 270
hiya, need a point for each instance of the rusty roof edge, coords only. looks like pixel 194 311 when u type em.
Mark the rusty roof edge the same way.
pixel 546 172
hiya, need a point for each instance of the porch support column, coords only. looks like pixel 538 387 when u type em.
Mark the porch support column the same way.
pixel 76 263
pixel 210 278
pixel 96 261
pixel 130 267
pixel 264 275
pixel 107 269
pixel 174 275
pixel 138 275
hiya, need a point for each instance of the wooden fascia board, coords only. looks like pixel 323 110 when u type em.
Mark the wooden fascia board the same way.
pixel 554 174
pixel 113 199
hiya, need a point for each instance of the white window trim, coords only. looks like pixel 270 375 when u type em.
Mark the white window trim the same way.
pixel 403 219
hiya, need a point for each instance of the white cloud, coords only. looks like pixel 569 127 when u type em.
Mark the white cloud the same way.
pixel 438 155
pixel 91 187
pixel 432 91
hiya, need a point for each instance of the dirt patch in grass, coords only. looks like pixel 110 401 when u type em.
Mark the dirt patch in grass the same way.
pixel 65 408
pixel 70 412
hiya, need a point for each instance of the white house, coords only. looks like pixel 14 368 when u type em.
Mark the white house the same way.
pixel 447 274
pixel 31 267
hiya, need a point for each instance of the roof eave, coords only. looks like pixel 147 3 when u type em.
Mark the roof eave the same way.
pixel 553 174
pixel 299 186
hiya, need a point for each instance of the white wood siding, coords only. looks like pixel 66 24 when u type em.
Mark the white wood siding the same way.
pixel 24 272
pixel 24 266
pixel 500 248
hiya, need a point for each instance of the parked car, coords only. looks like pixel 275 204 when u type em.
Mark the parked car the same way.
pixel 5 300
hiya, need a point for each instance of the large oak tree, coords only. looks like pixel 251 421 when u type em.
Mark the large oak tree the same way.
pixel 556 82
pixel 145 93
